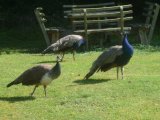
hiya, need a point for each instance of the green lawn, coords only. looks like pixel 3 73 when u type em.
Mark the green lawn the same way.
pixel 69 97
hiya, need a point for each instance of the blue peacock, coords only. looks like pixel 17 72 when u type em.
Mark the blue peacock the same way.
pixel 69 42
pixel 116 56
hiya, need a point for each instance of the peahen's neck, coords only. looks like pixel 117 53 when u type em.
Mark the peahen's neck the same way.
pixel 127 47
pixel 55 71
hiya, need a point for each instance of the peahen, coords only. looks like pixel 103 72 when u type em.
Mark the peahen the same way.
pixel 38 75
pixel 116 56
pixel 69 42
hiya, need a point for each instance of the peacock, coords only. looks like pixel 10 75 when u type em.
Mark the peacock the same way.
pixel 116 56
pixel 69 42
pixel 38 75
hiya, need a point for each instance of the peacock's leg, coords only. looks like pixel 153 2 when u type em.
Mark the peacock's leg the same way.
pixel 122 70
pixel 45 90
pixel 34 90
pixel 117 72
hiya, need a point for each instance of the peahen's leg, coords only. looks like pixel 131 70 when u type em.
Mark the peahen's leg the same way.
pixel 62 56
pixel 122 70
pixel 45 90
pixel 73 52
pixel 117 72
pixel 34 90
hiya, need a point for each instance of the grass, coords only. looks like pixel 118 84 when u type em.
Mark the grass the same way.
pixel 69 97
pixel 102 97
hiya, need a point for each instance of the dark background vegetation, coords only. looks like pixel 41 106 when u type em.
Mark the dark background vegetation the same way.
pixel 20 12
pixel 18 23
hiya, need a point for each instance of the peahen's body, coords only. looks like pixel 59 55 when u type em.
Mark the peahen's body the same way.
pixel 116 56
pixel 69 42
pixel 38 75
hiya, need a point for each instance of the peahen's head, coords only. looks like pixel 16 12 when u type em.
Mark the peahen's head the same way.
pixel 81 42
pixel 127 47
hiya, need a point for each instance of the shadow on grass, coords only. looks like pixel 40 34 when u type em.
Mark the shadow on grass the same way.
pixel 52 61
pixel 17 99
pixel 91 81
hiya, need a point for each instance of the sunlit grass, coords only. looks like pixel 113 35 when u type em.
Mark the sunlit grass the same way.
pixel 101 97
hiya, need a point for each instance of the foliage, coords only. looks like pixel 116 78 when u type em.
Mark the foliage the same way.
pixel 22 40
pixel 17 12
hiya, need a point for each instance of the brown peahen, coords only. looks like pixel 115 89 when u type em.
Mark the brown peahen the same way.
pixel 69 42
pixel 116 56
pixel 38 75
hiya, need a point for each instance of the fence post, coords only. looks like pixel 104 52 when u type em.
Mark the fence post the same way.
pixel 156 12
pixel 85 27
pixel 122 21
pixel 41 23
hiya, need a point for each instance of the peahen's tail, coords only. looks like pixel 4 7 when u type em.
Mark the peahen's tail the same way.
pixel 13 83
pixel 53 47
pixel 10 84
pixel 46 50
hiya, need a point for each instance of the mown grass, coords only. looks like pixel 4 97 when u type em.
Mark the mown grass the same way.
pixel 69 97
pixel 102 97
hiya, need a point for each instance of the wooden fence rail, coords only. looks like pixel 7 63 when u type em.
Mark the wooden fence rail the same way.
pixel 101 19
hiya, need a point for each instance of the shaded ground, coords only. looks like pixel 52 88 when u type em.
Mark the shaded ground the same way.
pixel 27 40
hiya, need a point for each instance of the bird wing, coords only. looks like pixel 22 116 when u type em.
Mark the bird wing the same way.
pixel 64 42
pixel 33 75
pixel 69 40
pixel 107 56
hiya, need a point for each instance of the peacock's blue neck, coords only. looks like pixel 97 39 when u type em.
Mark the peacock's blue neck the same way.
pixel 127 48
